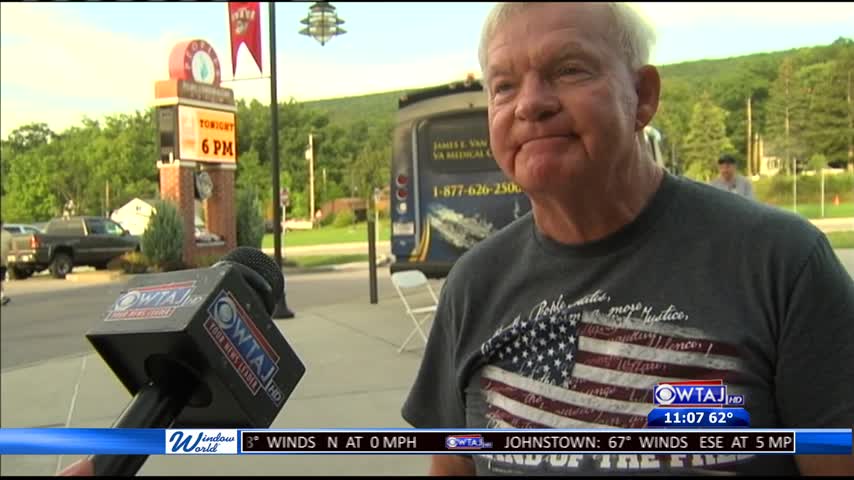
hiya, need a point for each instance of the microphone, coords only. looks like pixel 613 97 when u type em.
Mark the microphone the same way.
pixel 198 349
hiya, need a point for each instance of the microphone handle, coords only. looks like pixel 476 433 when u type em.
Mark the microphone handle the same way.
pixel 152 407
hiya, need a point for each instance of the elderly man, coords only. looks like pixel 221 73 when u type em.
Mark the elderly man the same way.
pixel 616 281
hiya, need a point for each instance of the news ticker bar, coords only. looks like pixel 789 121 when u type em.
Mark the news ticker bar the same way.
pixel 107 441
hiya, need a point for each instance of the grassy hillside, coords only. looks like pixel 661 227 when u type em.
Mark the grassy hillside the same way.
pixel 346 110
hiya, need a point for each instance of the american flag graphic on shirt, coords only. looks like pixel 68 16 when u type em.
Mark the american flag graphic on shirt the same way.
pixel 591 370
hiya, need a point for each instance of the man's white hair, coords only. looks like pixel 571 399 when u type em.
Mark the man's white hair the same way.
pixel 632 33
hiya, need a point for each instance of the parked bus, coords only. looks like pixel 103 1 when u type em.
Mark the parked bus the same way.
pixel 447 193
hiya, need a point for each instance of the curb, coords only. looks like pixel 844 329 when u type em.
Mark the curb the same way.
pixel 107 276
pixel 110 276
pixel 382 261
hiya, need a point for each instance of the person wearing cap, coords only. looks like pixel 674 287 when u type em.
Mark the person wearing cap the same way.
pixel 729 178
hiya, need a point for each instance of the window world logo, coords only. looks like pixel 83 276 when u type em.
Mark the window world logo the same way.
pixel 201 442
pixel 700 393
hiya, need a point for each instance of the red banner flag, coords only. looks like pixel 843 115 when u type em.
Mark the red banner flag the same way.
pixel 244 20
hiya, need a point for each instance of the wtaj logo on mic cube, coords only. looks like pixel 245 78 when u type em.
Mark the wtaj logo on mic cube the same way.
pixel 466 442
pixel 702 393
pixel 201 442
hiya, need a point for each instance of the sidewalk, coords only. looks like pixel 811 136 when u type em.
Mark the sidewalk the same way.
pixel 383 248
pixel 355 379
pixel 828 225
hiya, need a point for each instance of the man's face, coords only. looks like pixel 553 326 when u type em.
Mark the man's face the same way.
pixel 727 170
pixel 563 104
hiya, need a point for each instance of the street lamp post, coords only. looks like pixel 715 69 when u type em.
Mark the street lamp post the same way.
pixel 281 310
pixel 322 23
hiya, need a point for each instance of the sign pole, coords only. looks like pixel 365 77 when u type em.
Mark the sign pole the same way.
pixel 274 123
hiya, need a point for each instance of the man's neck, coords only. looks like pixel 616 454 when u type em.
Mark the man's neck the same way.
pixel 594 211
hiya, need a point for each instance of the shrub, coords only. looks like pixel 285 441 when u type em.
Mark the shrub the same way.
pixel 131 262
pixel 205 261
pixel 384 213
pixel 163 239
pixel 328 220
pixel 250 221
pixel 344 218
pixel 778 189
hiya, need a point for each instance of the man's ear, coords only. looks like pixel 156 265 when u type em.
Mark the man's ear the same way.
pixel 648 89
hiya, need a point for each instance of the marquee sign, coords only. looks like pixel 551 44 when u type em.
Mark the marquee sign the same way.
pixel 206 135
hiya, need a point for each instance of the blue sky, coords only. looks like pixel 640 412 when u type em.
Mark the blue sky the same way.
pixel 60 62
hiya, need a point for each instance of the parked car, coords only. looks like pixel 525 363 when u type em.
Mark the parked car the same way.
pixel 67 243
pixel 16 228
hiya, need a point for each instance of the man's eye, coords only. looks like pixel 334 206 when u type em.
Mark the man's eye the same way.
pixel 501 87
pixel 569 71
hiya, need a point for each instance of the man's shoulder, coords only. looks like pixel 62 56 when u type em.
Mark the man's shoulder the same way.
pixel 743 180
pixel 721 213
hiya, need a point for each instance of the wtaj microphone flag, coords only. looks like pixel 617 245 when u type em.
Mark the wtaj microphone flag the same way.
pixel 129 441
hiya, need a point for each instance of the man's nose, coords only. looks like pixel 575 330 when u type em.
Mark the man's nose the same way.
pixel 537 99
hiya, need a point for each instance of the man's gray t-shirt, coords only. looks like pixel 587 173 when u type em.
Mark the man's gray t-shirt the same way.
pixel 739 185
pixel 702 285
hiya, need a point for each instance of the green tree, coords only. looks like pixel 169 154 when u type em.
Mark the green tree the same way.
pixel 672 119
pixel 370 170
pixel 706 139
pixel 30 136
pixel 253 175
pixel 786 115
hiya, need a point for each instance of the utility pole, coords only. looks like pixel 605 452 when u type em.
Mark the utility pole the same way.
pixel 107 200
pixel 789 159
pixel 850 128
pixel 749 139
pixel 309 155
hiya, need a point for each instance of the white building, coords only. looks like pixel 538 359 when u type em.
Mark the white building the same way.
pixel 135 215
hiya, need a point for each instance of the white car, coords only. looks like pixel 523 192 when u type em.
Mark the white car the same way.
pixel 16 228
pixel 204 236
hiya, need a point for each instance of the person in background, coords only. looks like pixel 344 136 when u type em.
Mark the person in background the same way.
pixel 729 178
pixel 5 247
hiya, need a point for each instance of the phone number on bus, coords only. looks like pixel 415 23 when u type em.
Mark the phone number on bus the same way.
pixel 476 189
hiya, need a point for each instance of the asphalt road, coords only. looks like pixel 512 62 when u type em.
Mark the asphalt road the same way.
pixel 48 318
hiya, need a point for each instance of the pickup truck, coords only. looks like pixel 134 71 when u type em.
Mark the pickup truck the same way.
pixel 67 243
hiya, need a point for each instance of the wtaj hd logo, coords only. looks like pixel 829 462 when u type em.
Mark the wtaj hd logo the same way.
pixel 701 393
pixel 466 442
pixel 201 442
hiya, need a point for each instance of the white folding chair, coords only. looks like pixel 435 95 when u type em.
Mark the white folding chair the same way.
pixel 406 283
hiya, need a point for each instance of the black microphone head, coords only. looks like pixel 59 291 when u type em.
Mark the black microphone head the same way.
pixel 261 263
pixel 209 325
